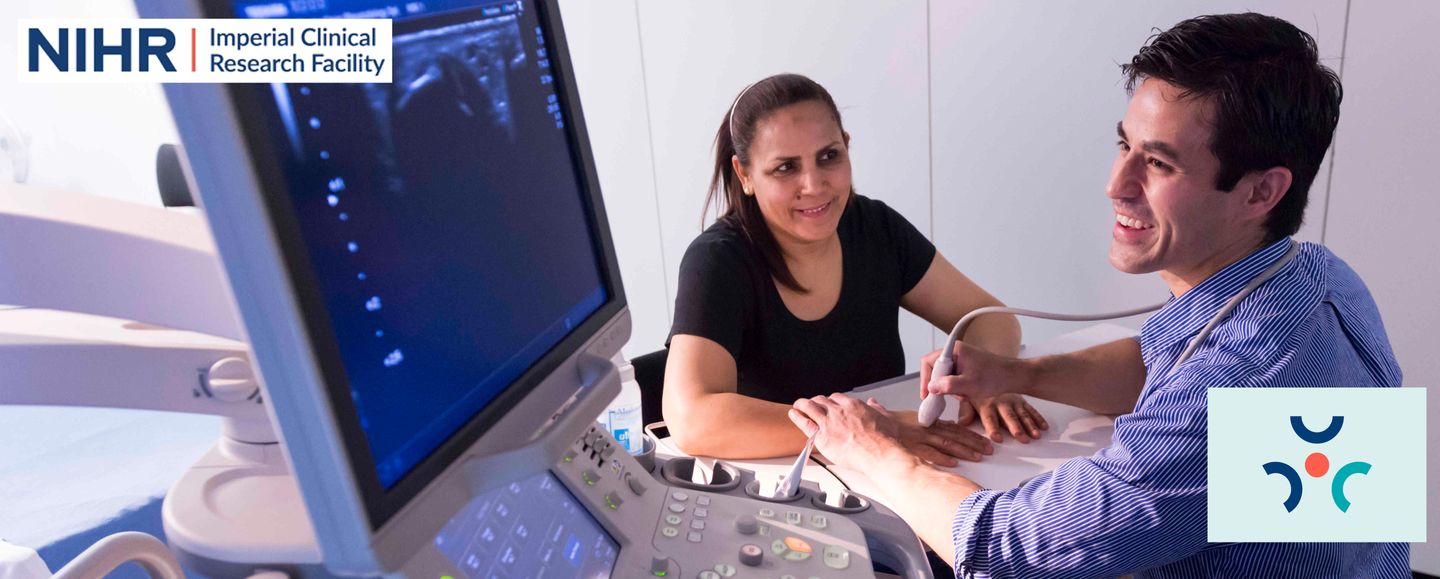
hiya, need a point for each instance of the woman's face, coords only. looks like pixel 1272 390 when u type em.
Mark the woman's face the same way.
pixel 799 172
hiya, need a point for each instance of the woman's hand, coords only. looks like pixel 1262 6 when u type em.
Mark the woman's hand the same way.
pixel 988 388
pixel 1010 413
pixel 943 443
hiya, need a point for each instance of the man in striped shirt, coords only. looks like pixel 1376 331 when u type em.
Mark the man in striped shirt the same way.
pixel 1228 123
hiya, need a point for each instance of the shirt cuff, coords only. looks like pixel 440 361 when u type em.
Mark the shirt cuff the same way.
pixel 970 527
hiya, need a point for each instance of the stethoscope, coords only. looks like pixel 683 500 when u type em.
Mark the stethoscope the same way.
pixel 933 406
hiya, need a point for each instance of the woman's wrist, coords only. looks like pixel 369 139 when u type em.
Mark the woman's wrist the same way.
pixel 1029 373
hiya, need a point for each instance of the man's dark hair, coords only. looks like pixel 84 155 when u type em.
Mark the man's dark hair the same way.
pixel 1275 104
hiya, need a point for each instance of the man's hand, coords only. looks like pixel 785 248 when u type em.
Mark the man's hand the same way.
pixel 992 385
pixel 850 432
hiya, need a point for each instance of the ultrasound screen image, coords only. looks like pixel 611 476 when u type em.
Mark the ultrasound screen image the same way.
pixel 444 220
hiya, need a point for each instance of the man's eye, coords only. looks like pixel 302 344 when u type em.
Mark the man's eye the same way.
pixel 1123 145
pixel 830 155
pixel 1158 164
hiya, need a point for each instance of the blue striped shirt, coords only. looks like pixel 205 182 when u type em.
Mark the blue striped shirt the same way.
pixel 1139 505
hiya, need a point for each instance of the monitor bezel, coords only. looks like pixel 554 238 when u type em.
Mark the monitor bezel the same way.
pixel 381 505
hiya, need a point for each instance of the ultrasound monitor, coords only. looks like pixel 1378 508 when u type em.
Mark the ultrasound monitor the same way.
pixel 426 276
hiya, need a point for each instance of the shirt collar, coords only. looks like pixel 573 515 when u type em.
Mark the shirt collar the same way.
pixel 1183 317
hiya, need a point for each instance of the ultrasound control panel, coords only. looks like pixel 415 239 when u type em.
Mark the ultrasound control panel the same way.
pixel 600 513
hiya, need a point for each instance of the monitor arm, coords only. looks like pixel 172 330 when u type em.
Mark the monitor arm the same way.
pixel 122 306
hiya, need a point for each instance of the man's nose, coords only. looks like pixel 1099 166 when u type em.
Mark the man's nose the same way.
pixel 1124 178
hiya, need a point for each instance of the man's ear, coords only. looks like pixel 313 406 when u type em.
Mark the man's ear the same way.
pixel 846 136
pixel 1266 190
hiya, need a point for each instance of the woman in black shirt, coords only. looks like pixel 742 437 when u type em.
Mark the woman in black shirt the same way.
pixel 795 291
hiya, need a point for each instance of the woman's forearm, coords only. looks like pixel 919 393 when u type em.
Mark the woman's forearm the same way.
pixel 733 426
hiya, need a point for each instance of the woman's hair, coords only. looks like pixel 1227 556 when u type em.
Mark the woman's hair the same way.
pixel 737 130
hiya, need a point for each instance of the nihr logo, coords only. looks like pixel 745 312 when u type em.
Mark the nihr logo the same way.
pixel 203 50
pixel 136 49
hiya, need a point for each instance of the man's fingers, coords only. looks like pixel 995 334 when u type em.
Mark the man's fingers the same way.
pixel 811 408
pixel 1013 423
pixel 947 385
pixel 876 404
pixel 809 427
pixel 991 420
pixel 843 400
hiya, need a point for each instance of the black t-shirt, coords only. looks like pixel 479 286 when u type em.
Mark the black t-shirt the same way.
pixel 726 295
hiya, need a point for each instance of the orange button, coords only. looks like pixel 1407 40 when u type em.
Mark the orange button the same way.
pixel 797 544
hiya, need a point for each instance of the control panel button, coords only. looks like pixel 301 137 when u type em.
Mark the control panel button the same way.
pixel 708 574
pixel 787 576
pixel 702 512
pixel 697 525
pixel 680 496
pixel 725 570
pixel 792 549
pixel 636 486
pixel 693 537
pixel 819 521
pixel 613 500
pixel 767 512
pixel 751 555
pixel 797 544
pixel 746 525
pixel 792 517
pixel 836 557
pixel 590 477
pixel 677 508
pixel 702 500
pixel 672 519
pixel 569 456
pixel 670 532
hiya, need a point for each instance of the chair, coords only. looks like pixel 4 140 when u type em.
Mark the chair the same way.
pixel 650 375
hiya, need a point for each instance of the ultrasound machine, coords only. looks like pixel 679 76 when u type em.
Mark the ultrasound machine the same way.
pixel 429 288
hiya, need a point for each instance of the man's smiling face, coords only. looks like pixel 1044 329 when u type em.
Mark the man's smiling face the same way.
pixel 1169 216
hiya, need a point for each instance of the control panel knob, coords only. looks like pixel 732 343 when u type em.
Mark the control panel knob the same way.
pixel 751 555
pixel 231 380
pixel 746 524
pixel 659 566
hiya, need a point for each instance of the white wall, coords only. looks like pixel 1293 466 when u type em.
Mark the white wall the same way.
pixel 1385 198
pixel 604 39
pixel 97 139
pixel 1025 100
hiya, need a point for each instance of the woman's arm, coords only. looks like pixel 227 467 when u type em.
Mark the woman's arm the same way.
pixel 944 295
pixel 707 417
pixel 705 414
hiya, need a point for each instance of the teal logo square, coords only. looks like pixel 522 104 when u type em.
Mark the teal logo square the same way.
pixel 1316 464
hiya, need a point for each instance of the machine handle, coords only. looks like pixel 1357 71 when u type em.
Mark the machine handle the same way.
pixel 115 550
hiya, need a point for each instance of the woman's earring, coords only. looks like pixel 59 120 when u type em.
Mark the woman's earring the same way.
pixel 748 192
